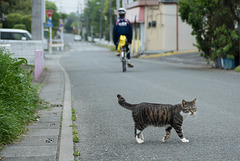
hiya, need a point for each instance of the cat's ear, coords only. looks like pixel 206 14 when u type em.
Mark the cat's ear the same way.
pixel 194 101
pixel 184 102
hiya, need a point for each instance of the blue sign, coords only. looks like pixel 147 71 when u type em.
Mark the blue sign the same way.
pixel 49 23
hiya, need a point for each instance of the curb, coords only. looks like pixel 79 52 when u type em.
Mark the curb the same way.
pixel 66 141
pixel 167 54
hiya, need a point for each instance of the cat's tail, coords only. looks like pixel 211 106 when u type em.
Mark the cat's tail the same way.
pixel 123 103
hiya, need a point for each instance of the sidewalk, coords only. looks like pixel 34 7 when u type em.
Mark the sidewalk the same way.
pixel 42 141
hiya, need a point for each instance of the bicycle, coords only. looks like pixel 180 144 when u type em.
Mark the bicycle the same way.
pixel 122 49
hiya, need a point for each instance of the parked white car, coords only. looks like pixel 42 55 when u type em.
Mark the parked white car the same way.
pixel 77 38
pixel 15 34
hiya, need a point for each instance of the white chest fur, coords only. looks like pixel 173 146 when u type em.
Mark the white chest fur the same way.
pixel 184 115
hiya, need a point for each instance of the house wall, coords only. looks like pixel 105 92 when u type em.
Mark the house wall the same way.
pixel 169 23
pixel 170 32
pixel 153 37
pixel 186 39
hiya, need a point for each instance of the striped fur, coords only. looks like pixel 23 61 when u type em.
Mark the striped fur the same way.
pixel 152 114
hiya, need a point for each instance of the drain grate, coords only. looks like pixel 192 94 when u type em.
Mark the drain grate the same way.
pixel 49 140
pixel 52 124
pixel 56 105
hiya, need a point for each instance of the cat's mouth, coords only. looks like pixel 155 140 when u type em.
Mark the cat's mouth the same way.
pixel 191 112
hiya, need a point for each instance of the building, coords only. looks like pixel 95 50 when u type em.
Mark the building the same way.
pixel 157 26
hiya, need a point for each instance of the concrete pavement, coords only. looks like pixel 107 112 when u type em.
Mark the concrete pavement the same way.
pixel 44 138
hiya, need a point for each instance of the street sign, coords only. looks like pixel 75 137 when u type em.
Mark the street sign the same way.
pixel 61 24
pixel 49 23
pixel 49 13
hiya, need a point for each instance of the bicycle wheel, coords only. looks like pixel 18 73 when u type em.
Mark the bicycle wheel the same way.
pixel 124 63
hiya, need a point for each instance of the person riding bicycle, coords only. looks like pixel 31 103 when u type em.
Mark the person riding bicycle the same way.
pixel 123 26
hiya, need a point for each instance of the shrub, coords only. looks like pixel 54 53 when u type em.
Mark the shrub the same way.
pixel 237 69
pixel 19 98
pixel 12 19
pixel 26 20
pixel 19 26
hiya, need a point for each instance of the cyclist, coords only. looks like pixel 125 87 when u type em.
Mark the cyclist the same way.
pixel 123 27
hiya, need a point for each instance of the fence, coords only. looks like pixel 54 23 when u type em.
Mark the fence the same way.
pixel 24 49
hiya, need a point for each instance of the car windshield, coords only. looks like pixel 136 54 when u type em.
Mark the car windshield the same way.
pixel 14 36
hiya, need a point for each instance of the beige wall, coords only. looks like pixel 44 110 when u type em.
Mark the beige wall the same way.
pixel 153 39
pixel 164 35
pixel 186 39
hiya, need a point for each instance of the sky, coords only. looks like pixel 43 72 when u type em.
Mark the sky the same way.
pixel 68 6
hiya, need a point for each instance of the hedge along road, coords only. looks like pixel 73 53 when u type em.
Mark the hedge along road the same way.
pixel 106 130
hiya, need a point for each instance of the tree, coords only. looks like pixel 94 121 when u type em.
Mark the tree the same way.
pixel 26 20
pixel 17 8
pixel 214 25
pixel 19 26
pixel 71 18
pixel 106 12
pixel 92 13
pixel 13 19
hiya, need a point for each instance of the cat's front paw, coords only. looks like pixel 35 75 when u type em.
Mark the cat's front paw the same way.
pixel 163 139
pixel 140 141
pixel 184 140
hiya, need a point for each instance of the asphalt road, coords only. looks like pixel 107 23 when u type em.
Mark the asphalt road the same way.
pixel 106 130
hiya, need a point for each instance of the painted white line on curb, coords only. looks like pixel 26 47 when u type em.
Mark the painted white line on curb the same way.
pixel 66 141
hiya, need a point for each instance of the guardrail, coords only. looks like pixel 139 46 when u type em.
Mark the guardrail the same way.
pixel 58 44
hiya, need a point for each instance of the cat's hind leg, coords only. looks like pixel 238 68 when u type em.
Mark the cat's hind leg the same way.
pixel 168 132
pixel 139 136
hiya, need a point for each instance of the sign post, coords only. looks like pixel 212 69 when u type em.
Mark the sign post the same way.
pixel 61 29
pixel 50 25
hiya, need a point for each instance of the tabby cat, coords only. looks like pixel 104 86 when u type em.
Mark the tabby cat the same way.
pixel 170 116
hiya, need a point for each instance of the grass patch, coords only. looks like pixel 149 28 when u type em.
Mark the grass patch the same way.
pixel 75 132
pixel 73 125
pixel 76 153
pixel 75 135
pixel 75 138
pixel 237 69
pixel 19 98
pixel 111 47
pixel 74 118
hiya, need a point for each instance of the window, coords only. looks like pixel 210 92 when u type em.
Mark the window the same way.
pixel 154 23
pixel 14 36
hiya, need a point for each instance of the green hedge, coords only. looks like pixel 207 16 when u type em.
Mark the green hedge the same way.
pixel 19 26
pixel 19 98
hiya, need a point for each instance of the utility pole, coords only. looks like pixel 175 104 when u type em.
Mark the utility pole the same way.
pixel 78 22
pixel 87 29
pixel 100 36
pixel 123 3
pixel 110 18
pixel 118 4
pixel 38 18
